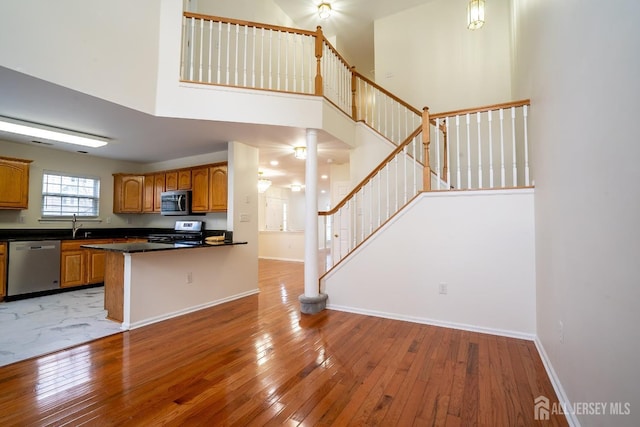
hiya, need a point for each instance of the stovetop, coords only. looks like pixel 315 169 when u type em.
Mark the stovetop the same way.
pixel 190 232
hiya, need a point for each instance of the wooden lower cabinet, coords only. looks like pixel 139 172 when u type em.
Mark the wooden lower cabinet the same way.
pixel 3 270
pixel 80 266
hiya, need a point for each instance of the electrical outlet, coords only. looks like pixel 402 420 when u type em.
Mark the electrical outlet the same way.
pixel 442 288
pixel 189 277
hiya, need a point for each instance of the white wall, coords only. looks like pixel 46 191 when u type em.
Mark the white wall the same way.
pixel 281 245
pixel 265 11
pixel 579 63
pixel 370 149
pixel 121 67
pixel 486 259
pixel 427 56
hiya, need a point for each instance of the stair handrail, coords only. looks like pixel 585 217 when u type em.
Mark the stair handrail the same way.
pixel 376 170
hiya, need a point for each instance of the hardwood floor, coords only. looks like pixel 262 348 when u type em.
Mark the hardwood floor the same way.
pixel 258 361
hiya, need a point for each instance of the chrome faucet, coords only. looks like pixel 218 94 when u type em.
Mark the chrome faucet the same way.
pixel 75 226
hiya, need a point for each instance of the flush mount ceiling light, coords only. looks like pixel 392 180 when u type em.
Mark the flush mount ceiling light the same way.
pixel 475 14
pixel 300 153
pixel 263 183
pixel 35 130
pixel 296 187
pixel 324 10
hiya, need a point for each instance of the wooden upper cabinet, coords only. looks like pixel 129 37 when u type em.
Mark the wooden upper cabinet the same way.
pixel 200 189
pixel 14 183
pixel 171 180
pixel 127 193
pixel 218 188
pixel 148 193
pixel 158 188
pixel 208 185
pixel 184 179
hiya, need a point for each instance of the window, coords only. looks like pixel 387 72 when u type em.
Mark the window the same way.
pixel 65 195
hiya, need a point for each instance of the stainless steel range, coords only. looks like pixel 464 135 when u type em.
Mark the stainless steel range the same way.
pixel 184 232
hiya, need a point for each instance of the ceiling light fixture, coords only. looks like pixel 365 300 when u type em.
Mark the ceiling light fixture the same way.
pixel 263 183
pixel 296 187
pixel 35 130
pixel 300 152
pixel 475 14
pixel 274 163
pixel 324 10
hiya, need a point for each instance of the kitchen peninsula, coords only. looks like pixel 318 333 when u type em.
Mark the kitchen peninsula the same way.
pixel 150 282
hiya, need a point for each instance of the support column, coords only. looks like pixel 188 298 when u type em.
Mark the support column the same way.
pixel 312 301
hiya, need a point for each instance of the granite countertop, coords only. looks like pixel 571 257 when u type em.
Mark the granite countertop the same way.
pixel 131 248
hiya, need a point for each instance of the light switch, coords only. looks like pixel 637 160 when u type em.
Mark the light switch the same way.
pixel 244 217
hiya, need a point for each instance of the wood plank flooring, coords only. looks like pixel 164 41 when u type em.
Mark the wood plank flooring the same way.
pixel 257 361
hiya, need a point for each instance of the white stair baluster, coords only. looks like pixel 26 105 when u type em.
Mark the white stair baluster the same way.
pixel 479 151
pixel 459 175
pixel 235 71
pixel 490 151
pixel 218 78
pixel 446 125
pixel 244 65
pixel 468 152
pixel 253 61
pixel 200 56
pixel 526 145
pixel 210 51
pixel 502 165
pixel 228 51
pixel 270 58
pixel 192 49
pixel 262 58
pixel 513 139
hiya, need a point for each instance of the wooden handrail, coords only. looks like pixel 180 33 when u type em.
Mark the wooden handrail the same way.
pixel 378 168
pixel 481 109
pixel 248 23
pixel 389 94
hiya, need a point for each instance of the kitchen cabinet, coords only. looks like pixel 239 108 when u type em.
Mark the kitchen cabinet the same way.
pixel 208 185
pixel 171 180
pixel 218 188
pixel 14 183
pixel 158 188
pixel 147 196
pixel 200 189
pixel 127 193
pixel 184 179
pixel 3 270
pixel 209 192
pixel 80 266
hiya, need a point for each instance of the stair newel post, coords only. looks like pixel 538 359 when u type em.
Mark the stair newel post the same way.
pixel 319 45
pixel 354 107
pixel 426 140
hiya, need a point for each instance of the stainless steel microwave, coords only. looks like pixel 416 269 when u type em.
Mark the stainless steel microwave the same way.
pixel 176 202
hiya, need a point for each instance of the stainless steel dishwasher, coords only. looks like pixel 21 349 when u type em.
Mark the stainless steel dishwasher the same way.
pixel 33 266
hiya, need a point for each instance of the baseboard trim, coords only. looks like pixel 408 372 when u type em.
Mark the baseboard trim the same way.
pixel 177 313
pixel 555 382
pixel 434 322
pixel 281 259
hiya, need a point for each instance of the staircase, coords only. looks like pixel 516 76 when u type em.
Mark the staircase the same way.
pixel 477 148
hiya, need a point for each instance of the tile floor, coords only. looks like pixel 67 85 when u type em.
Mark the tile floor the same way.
pixel 37 326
